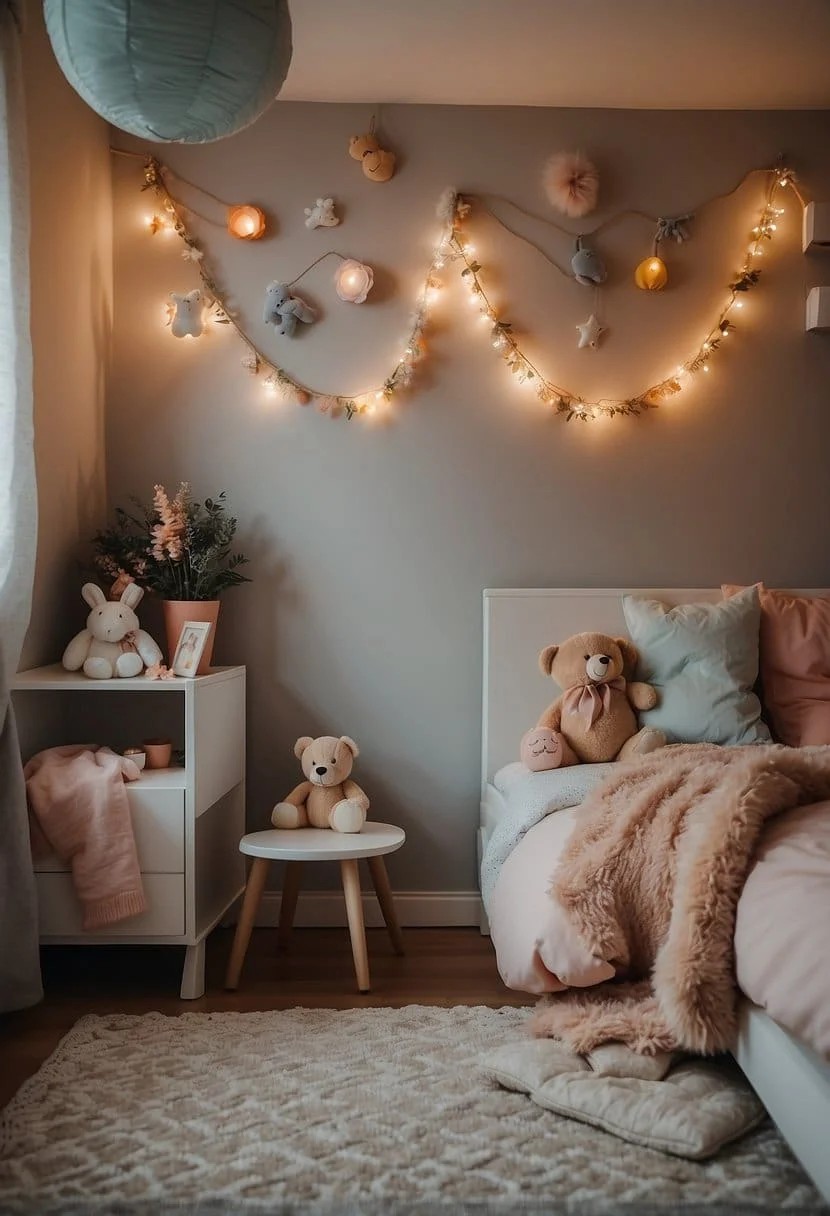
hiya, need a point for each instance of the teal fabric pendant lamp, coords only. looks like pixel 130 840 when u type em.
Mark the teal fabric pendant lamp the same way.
pixel 170 71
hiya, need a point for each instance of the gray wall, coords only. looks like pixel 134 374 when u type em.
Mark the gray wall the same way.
pixel 71 305
pixel 371 543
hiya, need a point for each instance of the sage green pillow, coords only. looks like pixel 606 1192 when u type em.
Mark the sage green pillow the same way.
pixel 703 661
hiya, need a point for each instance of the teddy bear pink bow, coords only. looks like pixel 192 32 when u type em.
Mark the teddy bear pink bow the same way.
pixel 590 700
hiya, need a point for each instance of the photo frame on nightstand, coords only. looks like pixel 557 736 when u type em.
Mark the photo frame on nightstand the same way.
pixel 189 648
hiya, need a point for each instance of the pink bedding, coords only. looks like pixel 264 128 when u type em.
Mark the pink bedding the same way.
pixel 781 934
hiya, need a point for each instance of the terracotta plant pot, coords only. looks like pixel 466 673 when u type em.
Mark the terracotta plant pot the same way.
pixel 176 612
pixel 158 752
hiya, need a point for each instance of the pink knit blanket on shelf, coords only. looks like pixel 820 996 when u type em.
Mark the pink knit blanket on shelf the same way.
pixel 78 810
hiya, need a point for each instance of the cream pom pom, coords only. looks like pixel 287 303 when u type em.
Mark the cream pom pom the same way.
pixel 571 183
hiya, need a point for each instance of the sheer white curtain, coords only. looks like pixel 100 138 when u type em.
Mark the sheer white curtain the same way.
pixel 19 967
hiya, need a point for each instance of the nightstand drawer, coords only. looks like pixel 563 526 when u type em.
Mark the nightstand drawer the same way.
pixel 158 825
pixel 60 913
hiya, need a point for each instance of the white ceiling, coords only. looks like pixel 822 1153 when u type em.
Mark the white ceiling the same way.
pixel 639 54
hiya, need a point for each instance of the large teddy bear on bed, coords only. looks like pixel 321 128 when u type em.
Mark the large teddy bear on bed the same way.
pixel 594 720
pixel 329 798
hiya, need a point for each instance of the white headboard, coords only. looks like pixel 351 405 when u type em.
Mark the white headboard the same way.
pixel 518 623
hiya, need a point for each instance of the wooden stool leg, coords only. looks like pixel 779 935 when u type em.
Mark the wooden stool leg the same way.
pixel 288 905
pixel 380 878
pixel 250 904
pixel 354 911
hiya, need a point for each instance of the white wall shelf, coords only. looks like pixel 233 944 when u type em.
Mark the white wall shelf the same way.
pixel 816 227
pixel 187 820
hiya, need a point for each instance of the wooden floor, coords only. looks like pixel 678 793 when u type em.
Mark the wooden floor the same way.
pixel 441 967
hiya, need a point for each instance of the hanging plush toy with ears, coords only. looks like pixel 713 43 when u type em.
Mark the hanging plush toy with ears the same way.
pixel 188 320
pixel 283 311
pixel 378 164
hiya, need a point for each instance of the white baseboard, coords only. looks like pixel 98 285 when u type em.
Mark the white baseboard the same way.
pixel 416 909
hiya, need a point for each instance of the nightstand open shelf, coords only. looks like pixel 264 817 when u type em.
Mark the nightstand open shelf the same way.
pixel 187 819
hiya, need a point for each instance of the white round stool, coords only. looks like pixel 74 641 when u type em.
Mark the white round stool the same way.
pixel 318 844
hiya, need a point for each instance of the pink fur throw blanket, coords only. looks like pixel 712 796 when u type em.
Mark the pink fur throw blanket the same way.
pixel 650 879
pixel 78 809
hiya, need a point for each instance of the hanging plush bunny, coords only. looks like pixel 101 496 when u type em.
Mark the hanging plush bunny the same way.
pixel 188 320
pixel 112 643
pixel 283 311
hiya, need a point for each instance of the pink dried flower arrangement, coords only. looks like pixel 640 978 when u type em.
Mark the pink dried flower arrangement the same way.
pixel 180 549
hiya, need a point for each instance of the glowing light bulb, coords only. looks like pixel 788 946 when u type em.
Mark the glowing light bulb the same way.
pixel 706 367
pixel 379 396
pixel 773 227
pixel 439 263
pixel 706 345
pixel 739 303
pixel 474 299
pixel 246 222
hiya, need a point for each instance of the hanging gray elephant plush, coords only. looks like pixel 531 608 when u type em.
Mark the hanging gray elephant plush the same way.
pixel 587 266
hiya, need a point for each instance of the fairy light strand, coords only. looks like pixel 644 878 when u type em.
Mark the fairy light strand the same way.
pixel 276 380
pixel 571 405
pixel 452 246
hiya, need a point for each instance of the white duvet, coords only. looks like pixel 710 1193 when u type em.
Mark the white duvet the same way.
pixel 530 798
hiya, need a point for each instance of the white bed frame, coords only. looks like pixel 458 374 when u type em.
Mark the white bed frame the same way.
pixel 791 1080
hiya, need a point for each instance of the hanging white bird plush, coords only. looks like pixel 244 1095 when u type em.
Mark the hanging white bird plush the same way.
pixel 587 265
pixel 188 320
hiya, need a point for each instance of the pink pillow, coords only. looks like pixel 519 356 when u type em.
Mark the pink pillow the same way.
pixel 795 665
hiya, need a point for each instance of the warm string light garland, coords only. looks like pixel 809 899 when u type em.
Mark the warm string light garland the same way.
pixel 570 404
pixel 276 380
pixel 453 244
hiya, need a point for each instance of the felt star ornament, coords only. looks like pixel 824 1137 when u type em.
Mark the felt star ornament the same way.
pixel 590 332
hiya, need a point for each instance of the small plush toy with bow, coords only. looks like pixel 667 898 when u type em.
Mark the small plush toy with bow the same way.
pixel 283 311
pixel 594 720
pixel 112 645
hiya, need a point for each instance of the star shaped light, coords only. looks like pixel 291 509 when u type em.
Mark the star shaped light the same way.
pixel 590 332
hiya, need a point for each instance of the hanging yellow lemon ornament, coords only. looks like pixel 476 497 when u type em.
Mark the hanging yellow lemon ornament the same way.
pixel 651 274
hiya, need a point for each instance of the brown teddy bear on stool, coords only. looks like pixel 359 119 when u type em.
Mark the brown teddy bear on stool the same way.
pixel 594 720
pixel 328 799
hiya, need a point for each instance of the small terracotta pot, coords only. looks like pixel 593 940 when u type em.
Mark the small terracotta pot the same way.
pixel 158 752
pixel 176 612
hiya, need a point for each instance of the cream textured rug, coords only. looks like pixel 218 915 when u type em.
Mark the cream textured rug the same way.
pixel 316 1111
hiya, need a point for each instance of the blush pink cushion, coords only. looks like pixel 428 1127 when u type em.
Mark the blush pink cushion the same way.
pixel 781 928
pixel 537 950
pixel 795 665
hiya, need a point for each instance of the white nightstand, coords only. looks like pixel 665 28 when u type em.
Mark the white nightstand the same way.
pixel 187 820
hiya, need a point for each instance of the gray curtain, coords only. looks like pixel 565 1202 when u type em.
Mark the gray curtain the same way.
pixel 19 964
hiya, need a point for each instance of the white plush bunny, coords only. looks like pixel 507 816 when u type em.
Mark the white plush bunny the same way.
pixel 112 643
